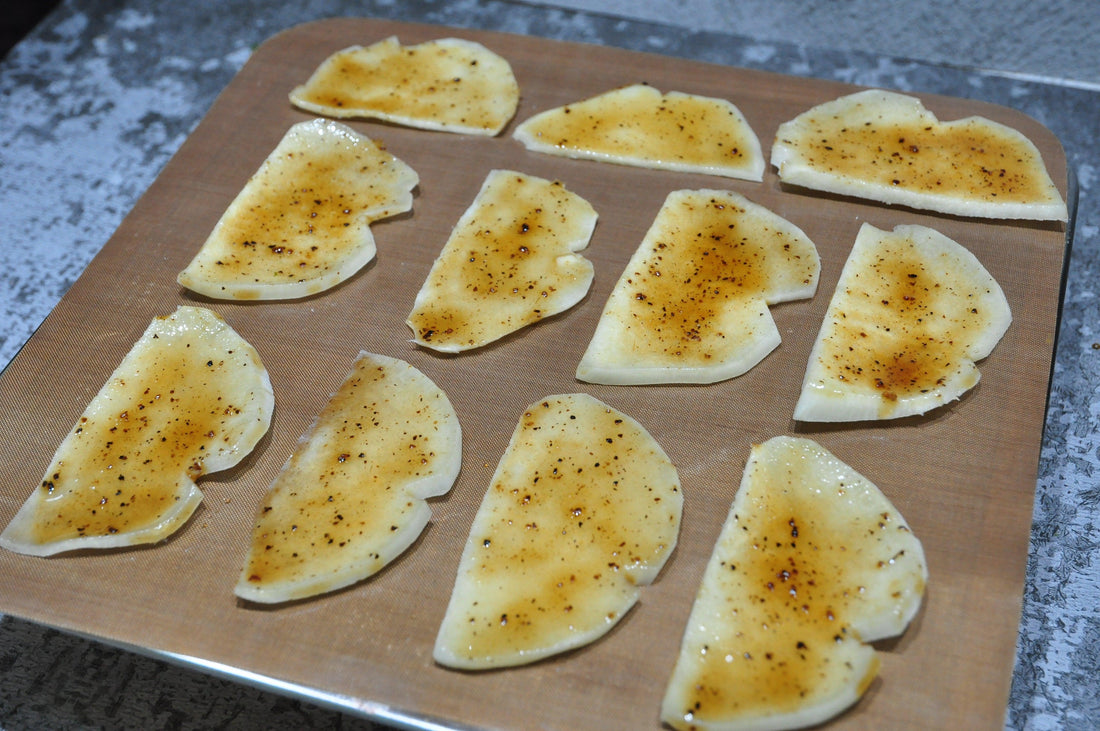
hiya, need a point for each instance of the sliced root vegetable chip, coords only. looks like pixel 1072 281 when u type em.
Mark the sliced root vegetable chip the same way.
pixel 637 125
pixel 692 304
pixel 812 563
pixel 912 313
pixel 353 495
pixel 301 225
pixel 510 261
pixel 886 147
pixel 448 85
pixel 191 397
pixel 584 509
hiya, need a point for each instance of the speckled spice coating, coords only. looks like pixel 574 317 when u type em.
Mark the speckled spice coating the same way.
pixel 102 94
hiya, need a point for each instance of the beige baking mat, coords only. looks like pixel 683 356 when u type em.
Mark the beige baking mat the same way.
pixel 963 476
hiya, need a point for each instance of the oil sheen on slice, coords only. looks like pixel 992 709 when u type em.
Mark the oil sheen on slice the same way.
pixel 692 304
pixel 191 397
pixel 812 563
pixel 301 224
pixel 583 510
pixel 353 496
pixel 638 125
pixel 510 261
pixel 448 85
pixel 886 147
pixel 912 313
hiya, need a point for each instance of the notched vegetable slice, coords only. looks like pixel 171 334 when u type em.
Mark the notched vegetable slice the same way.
pixel 510 261
pixel 584 509
pixel 301 224
pixel 912 313
pixel 887 147
pixel 812 563
pixel 692 304
pixel 449 85
pixel 637 125
pixel 191 397
pixel 353 496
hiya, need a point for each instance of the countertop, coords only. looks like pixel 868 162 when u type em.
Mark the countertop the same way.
pixel 101 94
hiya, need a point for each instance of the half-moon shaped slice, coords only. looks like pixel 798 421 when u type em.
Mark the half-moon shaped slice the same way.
pixel 638 125
pixel 692 303
pixel 353 496
pixel 912 313
pixel 190 397
pixel 448 85
pixel 584 509
pixel 301 224
pixel 812 563
pixel 510 261
pixel 887 147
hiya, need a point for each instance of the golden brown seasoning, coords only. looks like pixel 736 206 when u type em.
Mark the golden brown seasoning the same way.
pixel 352 496
pixel 448 84
pixel 692 302
pixel 583 509
pixel 190 397
pixel 813 561
pixel 509 262
pixel 638 125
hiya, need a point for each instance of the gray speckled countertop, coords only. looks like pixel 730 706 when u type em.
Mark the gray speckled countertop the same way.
pixel 100 96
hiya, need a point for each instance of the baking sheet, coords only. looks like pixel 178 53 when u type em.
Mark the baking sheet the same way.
pixel 963 476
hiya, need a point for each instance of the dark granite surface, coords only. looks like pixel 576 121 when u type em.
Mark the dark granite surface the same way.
pixel 101 94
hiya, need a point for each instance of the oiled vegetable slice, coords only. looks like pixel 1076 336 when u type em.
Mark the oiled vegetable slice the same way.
pixel 812 563
pixel 584 509
pixel 640 126
pixel 637 125
pixel 301 224
pixel 353 496
pixel 191 397
pixel 886 147
pixel 510 261
pixel 912 313
pixel 692 304
pixel 449 85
